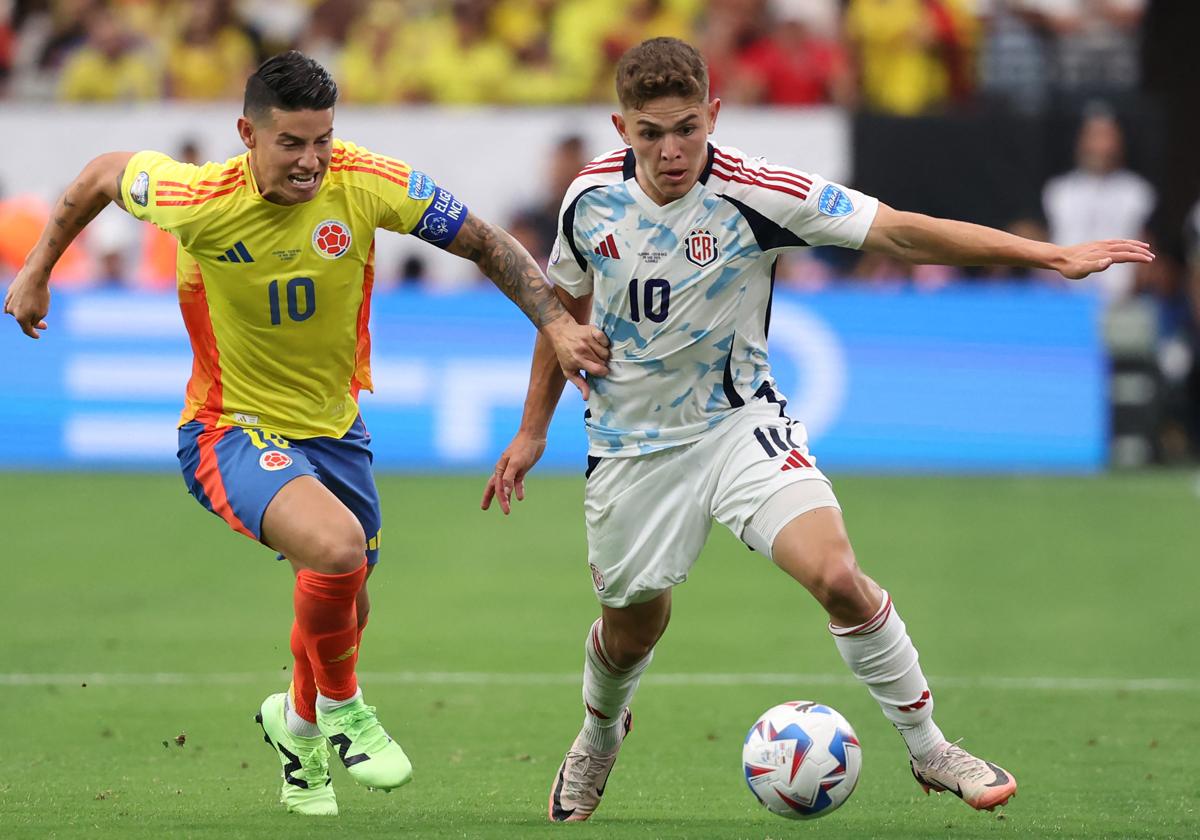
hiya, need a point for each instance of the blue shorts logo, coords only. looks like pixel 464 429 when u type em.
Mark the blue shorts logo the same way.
pixel 420 185
pixel 834 202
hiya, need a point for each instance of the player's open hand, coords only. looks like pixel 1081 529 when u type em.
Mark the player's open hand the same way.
pixel 579 347
pixel 508 478
pixel 28 300
pixel 1078 261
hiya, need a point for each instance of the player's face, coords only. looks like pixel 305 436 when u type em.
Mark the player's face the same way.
pixel 669 137
pixel 289 152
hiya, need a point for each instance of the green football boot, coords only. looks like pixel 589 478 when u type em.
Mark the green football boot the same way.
pixel 370 755
pixel 307 786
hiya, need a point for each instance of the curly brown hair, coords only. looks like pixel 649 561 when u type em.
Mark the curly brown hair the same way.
pixel 661 67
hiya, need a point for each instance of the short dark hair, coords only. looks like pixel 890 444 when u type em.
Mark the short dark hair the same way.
pixel 289 81
pixel 661 67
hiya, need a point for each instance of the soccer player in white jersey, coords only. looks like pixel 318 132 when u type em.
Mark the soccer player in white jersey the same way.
pixel 668 245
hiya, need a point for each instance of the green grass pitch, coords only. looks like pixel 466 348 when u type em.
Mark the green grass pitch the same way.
pixel 177 625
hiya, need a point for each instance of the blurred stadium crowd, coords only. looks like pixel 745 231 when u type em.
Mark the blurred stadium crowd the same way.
pixel 895 57
pixel 891 59
pixel 898 56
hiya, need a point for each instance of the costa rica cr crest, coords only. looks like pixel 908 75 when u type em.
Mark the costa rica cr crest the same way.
pixel 700 247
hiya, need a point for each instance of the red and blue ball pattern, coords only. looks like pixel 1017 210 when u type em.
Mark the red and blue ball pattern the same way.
pixel 801 759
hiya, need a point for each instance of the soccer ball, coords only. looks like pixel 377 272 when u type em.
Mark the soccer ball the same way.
pixel 801 760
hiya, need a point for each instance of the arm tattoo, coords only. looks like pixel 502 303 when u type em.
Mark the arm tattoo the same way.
pixel 502 259
pixel 70 219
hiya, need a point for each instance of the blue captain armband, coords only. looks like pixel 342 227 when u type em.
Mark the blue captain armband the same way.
pixel 440 222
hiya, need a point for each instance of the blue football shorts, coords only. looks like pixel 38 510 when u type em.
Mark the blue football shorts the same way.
pixel 235 472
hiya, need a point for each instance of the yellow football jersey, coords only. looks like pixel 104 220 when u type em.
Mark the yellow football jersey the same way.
pixel 276 299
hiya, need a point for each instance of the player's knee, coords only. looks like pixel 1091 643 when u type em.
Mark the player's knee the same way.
pixel 839 583
pixel 632 650
pixel 633 644
pixel 337 551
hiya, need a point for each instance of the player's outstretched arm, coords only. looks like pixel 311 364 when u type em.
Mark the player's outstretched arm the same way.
pixel 546 381
pixel 502 260
pixel 28 298
pixel 924 239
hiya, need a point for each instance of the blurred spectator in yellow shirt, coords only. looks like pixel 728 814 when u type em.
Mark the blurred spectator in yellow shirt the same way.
pixel 382 59
pixel 642 19
pixel 913 55
pixel 520 23
pixel 539 76
pixel 538 79
pixel 575 38
pixel 466 64
pixel 113 65
pixel 211 56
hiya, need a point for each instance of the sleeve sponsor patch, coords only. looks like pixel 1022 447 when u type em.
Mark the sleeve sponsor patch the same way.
pixel 834 202
pixel 139 190
pixel 440 222
pixel 420 185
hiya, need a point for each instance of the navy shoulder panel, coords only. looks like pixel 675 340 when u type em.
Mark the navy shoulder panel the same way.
pixel 767 233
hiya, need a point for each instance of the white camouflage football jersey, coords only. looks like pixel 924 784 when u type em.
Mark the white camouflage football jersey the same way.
pixel 683 291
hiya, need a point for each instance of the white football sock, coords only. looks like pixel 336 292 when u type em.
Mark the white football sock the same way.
pixel 298 725
pixel 325 705
pixel 882 656
pixel 607 690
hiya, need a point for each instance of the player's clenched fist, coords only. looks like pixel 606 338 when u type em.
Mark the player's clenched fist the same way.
pixel 28 301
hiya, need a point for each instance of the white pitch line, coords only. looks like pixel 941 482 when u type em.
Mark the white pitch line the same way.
pixel 1161 684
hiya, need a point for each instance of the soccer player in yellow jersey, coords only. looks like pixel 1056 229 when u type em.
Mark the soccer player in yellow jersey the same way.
pixel 274 277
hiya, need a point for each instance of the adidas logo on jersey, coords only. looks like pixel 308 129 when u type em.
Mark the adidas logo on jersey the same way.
pixel 236 254
pixel 608 248
pixel 797 461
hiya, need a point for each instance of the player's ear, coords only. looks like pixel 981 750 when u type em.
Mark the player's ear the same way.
pixel 246 131
pixel 618 121
pixel 714 108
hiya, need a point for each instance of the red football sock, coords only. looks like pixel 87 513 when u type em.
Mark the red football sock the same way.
pixel 327 623
pixel 304 684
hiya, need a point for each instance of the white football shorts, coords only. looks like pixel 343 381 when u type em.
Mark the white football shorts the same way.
pixel 649 516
